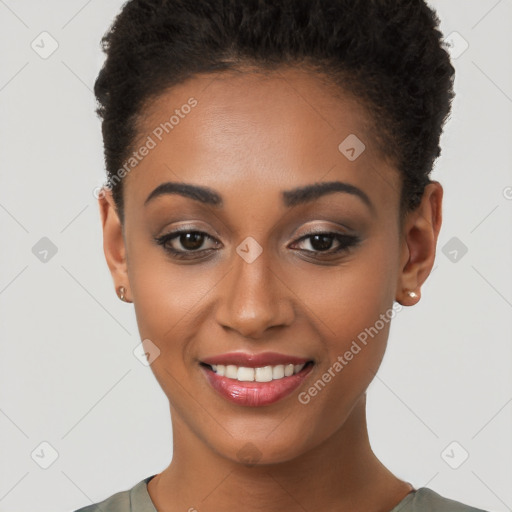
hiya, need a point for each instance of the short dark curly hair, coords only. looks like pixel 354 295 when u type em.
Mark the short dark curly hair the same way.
pixel 389 54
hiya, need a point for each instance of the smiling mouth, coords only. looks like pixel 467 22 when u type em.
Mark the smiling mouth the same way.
pixel 267 373
pixel 255 379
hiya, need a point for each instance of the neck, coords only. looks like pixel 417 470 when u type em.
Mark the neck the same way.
pixel 342 473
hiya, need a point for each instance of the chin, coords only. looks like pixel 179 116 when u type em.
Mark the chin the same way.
pixel 260 451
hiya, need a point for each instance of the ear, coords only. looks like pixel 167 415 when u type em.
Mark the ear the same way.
pixel 113 240
pixel 419 240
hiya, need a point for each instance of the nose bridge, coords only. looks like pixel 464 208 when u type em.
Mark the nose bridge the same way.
pixel 253 299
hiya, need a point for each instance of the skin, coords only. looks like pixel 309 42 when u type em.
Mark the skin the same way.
pixel 249 138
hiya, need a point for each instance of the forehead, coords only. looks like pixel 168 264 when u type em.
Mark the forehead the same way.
pixel 256 133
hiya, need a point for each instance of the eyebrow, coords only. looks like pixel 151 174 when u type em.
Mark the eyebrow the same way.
pixel 308 193
pixel 291 197
pixel 199 193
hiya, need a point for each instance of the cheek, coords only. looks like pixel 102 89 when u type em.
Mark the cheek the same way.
pixel 351 314
pixel 343 301
pixel 167 304
pixel 351 308
pixel 166 296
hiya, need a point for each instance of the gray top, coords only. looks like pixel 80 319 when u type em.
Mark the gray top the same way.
pixel 137 499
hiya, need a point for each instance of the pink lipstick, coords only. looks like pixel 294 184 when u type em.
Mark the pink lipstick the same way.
pixel 255 379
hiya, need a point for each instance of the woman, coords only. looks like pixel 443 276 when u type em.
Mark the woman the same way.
pixel 268 212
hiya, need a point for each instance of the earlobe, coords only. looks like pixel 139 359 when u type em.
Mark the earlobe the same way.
pixel 421 231
pixel 113 239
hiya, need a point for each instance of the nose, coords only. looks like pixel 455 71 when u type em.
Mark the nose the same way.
pixel 254 298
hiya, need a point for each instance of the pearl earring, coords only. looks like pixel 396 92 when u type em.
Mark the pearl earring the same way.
pixel 412 294
pixel 122 290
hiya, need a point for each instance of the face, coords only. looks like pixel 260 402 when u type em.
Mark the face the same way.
pixel 263 264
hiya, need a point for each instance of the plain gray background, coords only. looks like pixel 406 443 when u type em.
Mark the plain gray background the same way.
pixel 69 378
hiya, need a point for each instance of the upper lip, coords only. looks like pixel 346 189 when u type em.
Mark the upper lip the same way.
pixel 254 360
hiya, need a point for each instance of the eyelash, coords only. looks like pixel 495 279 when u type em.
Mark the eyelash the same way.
pixel 346 242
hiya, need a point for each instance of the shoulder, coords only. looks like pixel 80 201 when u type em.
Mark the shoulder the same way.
pixel 427 500
pixel 135 499
pixel 118 502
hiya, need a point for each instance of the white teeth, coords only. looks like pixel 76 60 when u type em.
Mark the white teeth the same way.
pixel 231 371
pixel 245 374
pixel 261 374
pixel 278 371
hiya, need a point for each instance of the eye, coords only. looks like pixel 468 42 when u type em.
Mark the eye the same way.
pixel 191 243
pixel 321 243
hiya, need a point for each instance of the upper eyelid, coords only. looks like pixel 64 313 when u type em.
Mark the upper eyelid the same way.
pixel 342 230
pixel 174 234
pixel 325 231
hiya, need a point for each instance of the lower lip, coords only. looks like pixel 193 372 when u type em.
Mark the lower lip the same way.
pixel 255 394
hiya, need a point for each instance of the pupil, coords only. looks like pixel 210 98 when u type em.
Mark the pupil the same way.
pixel 325 242
pixel 192 241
